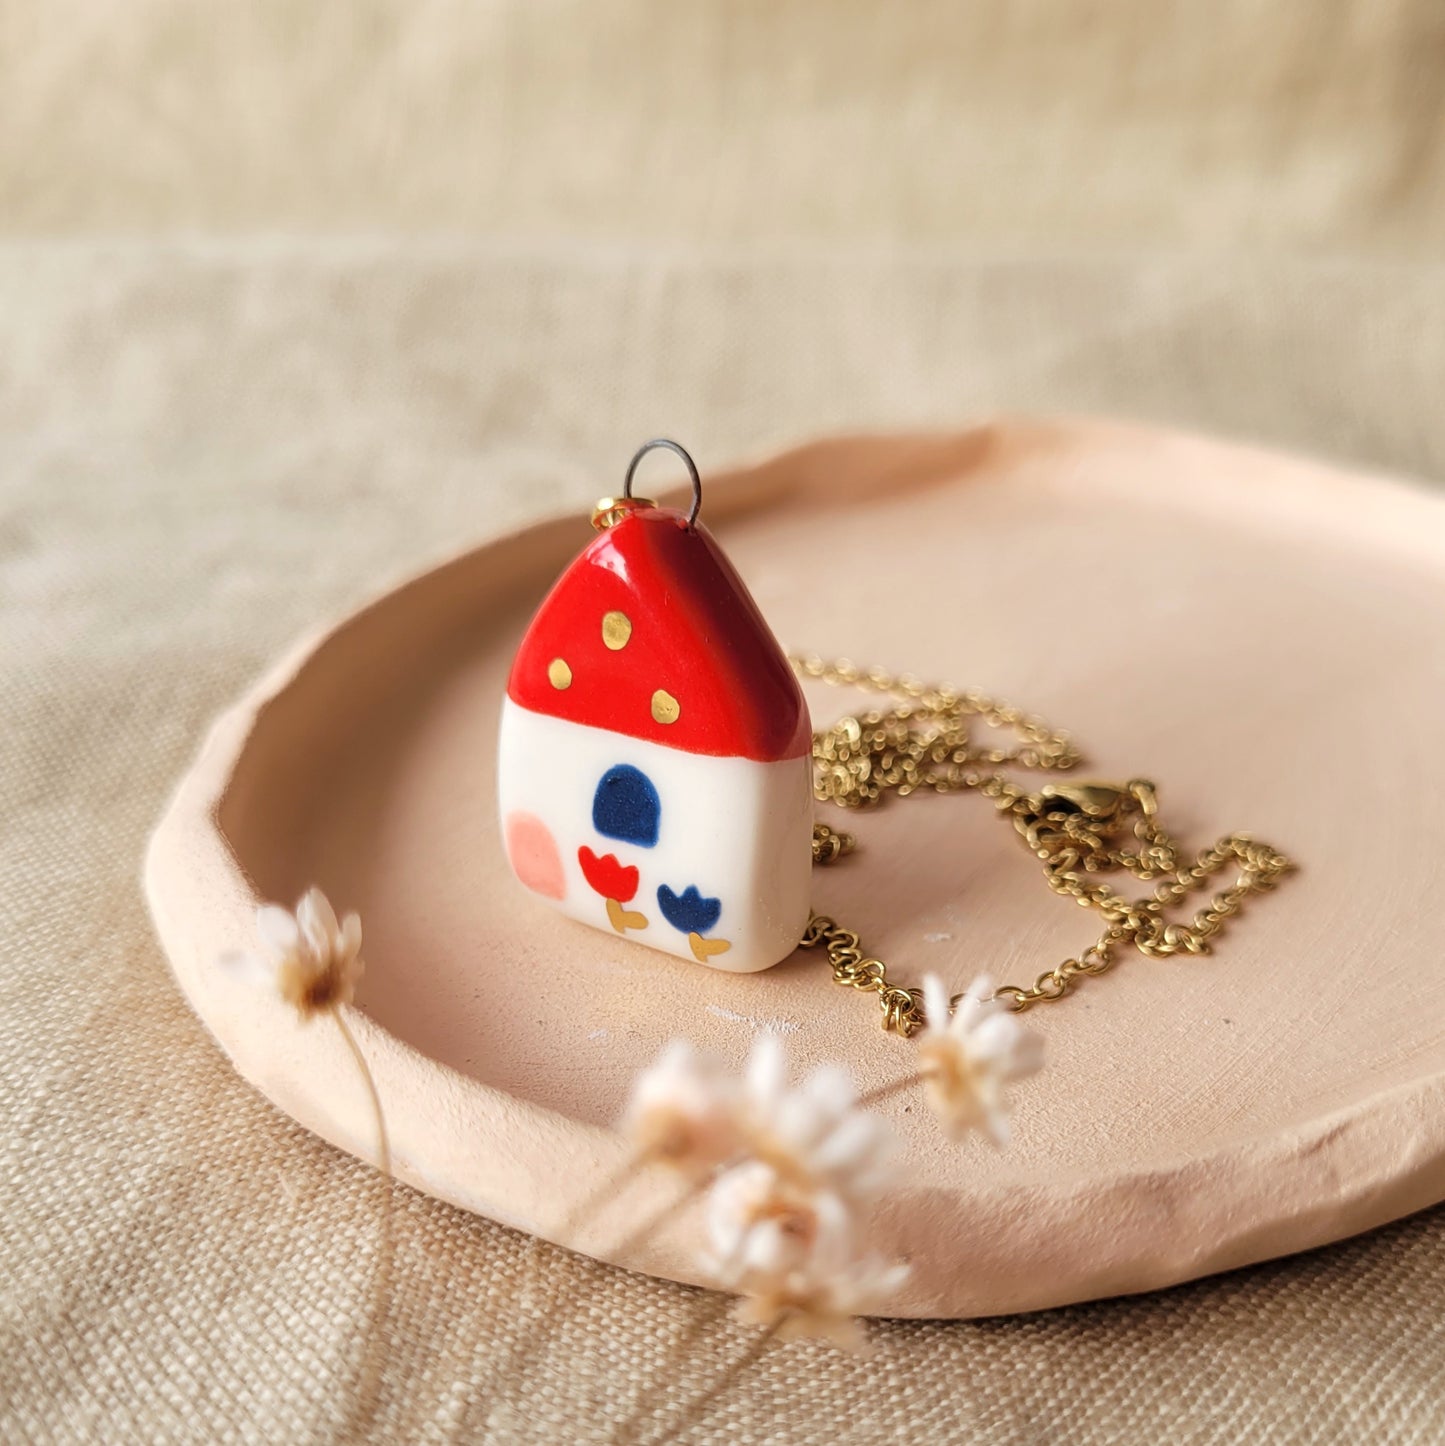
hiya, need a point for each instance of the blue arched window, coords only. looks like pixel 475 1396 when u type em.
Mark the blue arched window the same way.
pixel 626 806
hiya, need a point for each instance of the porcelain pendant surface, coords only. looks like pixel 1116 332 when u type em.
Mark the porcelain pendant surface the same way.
pixel 655 756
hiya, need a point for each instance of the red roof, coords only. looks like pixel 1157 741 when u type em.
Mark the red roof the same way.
pixel 651 633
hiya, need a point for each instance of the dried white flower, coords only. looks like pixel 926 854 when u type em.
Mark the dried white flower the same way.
pixel 684 1112
pixel 762 1224
pixel 791 1169
pixel 312 960
pixel 784 1222
pixel 821 1301
pixel 966 1061
pixel 814 1135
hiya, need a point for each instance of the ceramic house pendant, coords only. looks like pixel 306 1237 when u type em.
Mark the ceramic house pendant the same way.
pixel 655 773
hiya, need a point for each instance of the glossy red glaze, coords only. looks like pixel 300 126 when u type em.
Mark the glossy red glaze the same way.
pixel 696 634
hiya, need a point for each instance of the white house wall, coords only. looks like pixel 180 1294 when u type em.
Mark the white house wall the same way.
pixel 736 830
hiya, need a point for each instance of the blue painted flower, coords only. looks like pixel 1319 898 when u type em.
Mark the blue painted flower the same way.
pixel 689 912
pixel 626 806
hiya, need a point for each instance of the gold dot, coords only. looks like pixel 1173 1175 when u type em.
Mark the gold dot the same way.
pixel 559 673
pixel 665 707
pixel 616 629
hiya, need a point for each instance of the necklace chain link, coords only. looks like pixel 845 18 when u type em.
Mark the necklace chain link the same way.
pixel 1077 831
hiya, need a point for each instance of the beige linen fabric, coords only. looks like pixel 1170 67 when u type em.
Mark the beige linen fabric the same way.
pixel 1036 123
pixel 207 444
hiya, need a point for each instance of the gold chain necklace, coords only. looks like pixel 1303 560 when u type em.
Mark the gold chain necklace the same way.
pixel 1075 830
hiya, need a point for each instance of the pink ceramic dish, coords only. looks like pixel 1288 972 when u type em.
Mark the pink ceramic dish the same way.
pixel 1262 636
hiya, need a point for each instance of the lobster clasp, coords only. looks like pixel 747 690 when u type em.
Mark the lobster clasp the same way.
pixel 1095 800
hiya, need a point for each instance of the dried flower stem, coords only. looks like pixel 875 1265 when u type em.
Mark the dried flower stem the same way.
pixel 599 1199
pixel 887 1091
pixel 369 1382
pixel 695 1412
pixel 706 1314
pixel 525 1352
pixel 659 1218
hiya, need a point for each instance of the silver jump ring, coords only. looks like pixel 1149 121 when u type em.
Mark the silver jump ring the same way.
pixel 668 445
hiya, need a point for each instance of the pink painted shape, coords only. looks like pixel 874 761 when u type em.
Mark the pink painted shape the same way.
pixel 535 859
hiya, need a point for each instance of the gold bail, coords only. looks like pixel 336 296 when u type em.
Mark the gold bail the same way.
pixel 611 510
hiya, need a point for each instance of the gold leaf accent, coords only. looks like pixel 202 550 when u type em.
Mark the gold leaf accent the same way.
pixel 622 918
pixel 616 629
pixel 665 708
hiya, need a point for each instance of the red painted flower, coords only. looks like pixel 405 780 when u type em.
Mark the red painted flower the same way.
pixel 607 876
